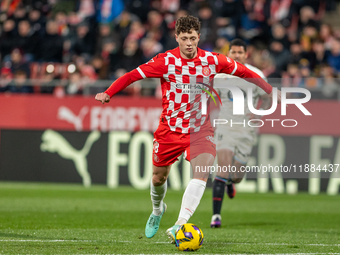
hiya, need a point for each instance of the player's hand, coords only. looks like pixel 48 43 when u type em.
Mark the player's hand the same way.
pixel 278 96
pixel 103 98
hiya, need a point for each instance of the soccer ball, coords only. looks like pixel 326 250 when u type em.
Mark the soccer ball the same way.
pixel 189 237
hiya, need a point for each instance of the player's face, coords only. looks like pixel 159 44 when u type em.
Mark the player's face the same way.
pixel 188 43
pixel 238 53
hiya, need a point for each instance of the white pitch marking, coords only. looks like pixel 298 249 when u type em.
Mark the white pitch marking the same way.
pixel 277 244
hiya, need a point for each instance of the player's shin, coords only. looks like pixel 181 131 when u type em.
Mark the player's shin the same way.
pixel 157 195
pixel 191 199
pixel 218 194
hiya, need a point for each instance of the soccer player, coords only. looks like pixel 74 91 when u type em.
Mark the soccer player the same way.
pixel 182 125
pixel 234 143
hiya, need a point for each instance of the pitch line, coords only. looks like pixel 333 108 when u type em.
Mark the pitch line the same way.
pixel 75 241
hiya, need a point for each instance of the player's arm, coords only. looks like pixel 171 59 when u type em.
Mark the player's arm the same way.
pixel 229 66
pixel 152 69
pixel 266 102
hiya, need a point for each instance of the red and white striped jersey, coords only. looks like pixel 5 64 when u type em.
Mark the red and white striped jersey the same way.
pixel 183 83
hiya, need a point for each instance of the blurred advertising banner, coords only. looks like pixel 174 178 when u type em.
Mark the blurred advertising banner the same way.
pixel 39 142
pixel 78 113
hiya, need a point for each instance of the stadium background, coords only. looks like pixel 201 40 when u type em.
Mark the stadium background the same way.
pixel 55 55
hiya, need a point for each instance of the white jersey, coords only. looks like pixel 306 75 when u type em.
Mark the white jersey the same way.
pixel 221 82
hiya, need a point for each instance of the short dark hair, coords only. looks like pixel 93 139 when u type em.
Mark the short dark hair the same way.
pixel 238 42
pixel 186 24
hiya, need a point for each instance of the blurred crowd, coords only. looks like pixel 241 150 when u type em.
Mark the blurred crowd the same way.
pixel 66 45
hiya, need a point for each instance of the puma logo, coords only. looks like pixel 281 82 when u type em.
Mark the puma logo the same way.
pixel 53 142
pixel 66 114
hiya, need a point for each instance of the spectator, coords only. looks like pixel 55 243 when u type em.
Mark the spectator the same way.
pixel 307 14
pixel 6 77
pixel 106 35
pixel 228 18
pixel 297 53
pixel 61 20
pixel 49 83
pixel 278 11
pixel 309 34
pixel 7 38
pixel 326 34
pixel 334 57
pixel 19 14
pixel 109 10
pixel 208 35
pixel 123 24
pixel 330 87
pixel 222 46
pixel 291 78
pixel 279 54
pixel 150 48
pixel 84 42
pixel 279 33
pixel 131 56
pixel 17 62
pixel 251 21
pixel 26 41
pixel 51 47
pixel 76 84
pixel 37 22
pixel 137 31
pixel 19 83
pixel 100 67
pixel 318 55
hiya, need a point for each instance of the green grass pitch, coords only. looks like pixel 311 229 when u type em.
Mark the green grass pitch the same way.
pixel 70 219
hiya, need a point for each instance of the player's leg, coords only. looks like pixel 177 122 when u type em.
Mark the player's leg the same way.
pixel 237 176
pixel 224 161
pixel 194 191
pixel 158 187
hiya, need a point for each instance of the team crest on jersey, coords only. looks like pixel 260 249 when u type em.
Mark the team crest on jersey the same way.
pixel 206 71
pixel 229 60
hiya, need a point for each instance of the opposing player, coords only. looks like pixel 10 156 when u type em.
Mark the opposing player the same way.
pixel 182 126
pixel 234 142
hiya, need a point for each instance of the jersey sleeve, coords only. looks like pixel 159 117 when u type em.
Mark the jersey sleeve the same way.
pixel 155 68
pixel 259 91
pixel 229 66
pixel 152 69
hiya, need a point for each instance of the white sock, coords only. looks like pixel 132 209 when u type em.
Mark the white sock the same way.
pixel 191 199
pixel 157 194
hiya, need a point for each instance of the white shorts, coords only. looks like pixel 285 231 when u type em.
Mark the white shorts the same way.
pixel 241 143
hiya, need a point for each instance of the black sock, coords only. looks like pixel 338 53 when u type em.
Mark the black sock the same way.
pixel 218 194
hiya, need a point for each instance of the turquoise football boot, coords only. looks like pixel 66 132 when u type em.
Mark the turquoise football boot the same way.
pixel 152 225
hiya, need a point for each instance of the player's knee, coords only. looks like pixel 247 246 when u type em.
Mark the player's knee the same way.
pixel 158 180
pixel 236 180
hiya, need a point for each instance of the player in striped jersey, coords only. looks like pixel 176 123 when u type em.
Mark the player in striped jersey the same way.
pixel 186 74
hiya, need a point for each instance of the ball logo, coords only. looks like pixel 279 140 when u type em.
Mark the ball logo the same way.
pixel 206 71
